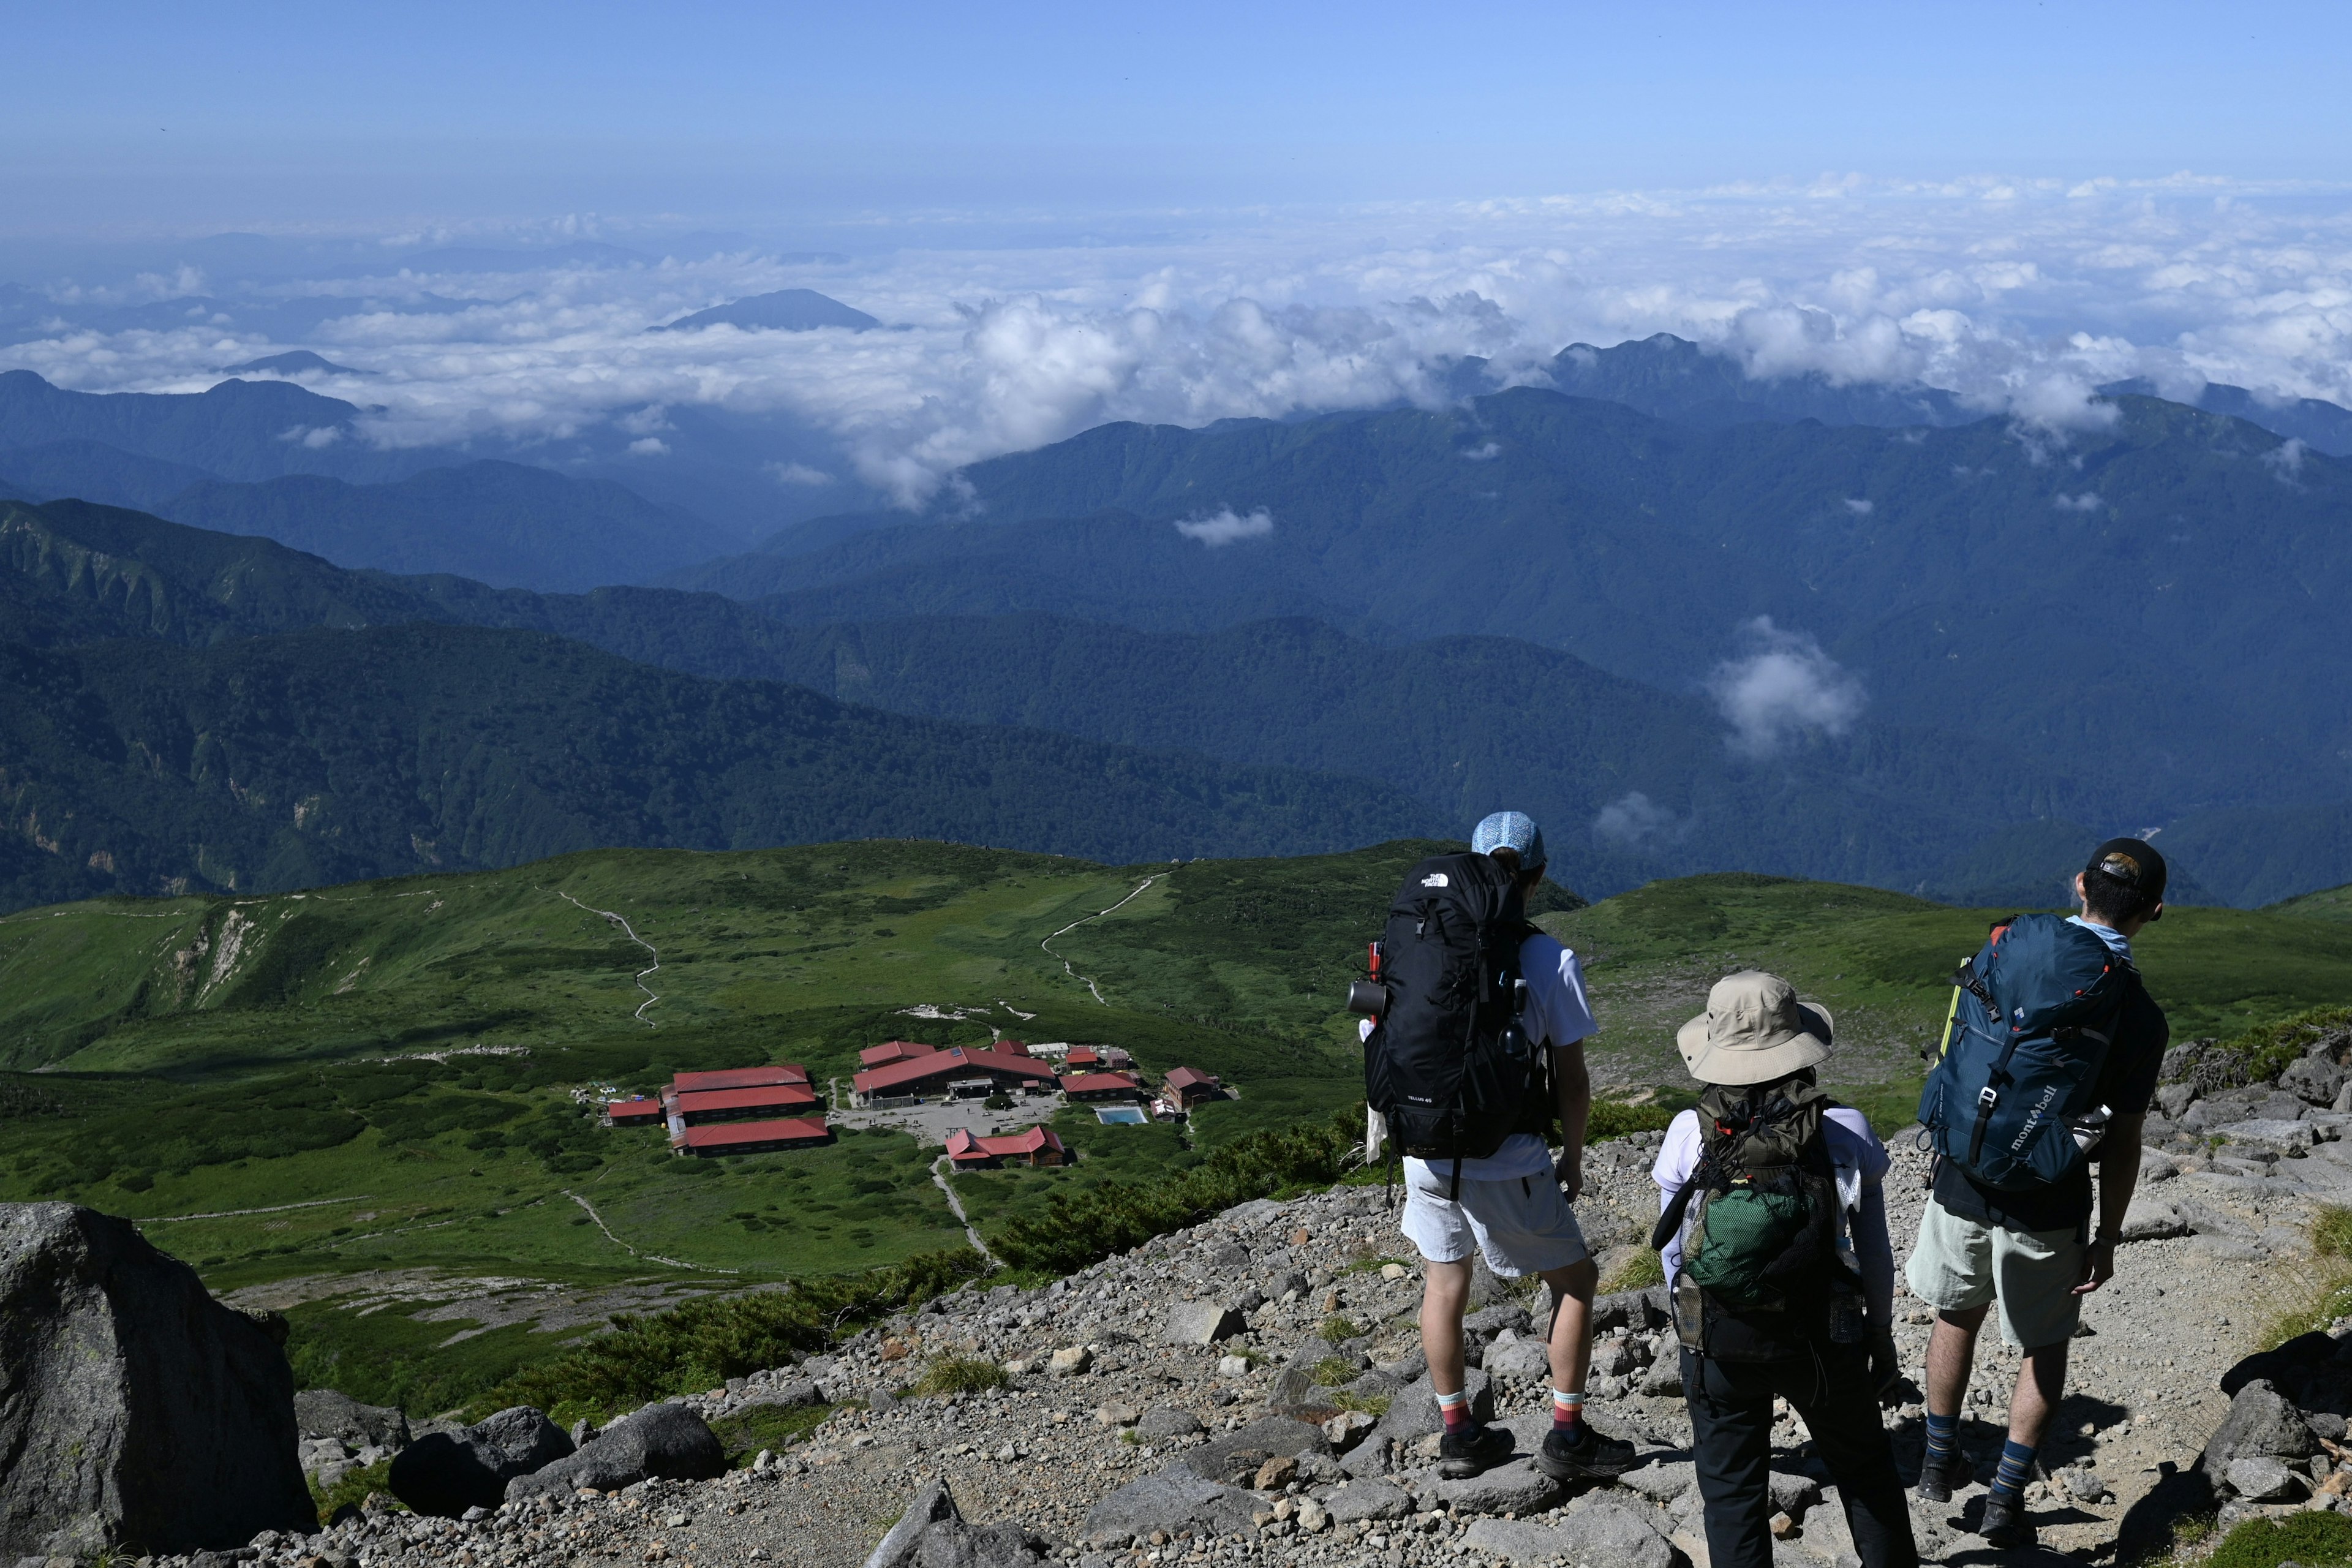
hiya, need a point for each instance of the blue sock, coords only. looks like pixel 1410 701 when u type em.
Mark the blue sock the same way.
pixel 1943 1435
pixel 2016 1469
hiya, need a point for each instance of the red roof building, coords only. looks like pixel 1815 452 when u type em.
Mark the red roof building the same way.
pixel 1082 1057
pixel 1102 1085
pixel 1189 1086
pixel 894 1051
pixel 642 1111
pixel 1038 1146
pixel 751 1137
pixel 930 1072
pixel 739 1078
pixel 743 1104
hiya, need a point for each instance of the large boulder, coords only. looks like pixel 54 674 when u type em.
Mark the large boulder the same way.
pixel 140 1415
pixel 1172 1498
pixel 933 1530
pixel 1600 1532
pixel 665 1440
pixel 1240 1452
pixel 446 1473
pixel 2260 1424
pixel 323 1413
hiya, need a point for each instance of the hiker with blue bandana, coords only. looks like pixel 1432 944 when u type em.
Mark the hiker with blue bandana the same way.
pixel 1474 1047
pixel 1773 1231
pixel 2049 1063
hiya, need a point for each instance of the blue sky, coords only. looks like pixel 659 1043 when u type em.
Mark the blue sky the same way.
pixel 255 114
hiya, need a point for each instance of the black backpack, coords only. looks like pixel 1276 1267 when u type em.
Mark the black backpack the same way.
pixel 1447 1063
pixel 1762 1274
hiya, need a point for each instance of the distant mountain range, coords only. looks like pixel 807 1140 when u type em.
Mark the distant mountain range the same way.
pixel 197 757
pixel 300 361
pixel 786 309
pixel 1633 783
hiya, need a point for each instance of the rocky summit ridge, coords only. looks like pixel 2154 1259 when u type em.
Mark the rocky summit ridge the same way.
pixel 1251 1391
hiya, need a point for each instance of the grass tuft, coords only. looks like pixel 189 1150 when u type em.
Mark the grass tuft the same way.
pixel 355 1487
pixel 1338 1327
pixel 960 1374
pixel 770 1426
pixel 1332 1371
pixel 1638 1272
pixel 1373 1404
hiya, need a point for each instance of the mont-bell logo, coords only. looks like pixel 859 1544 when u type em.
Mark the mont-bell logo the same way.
pixel 1434 879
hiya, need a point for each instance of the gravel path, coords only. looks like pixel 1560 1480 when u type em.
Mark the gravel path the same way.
pixel 1137 1391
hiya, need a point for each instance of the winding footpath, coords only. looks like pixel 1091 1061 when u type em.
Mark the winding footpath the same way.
pixel 652 995
pixel 1048 942
pixel 939 1180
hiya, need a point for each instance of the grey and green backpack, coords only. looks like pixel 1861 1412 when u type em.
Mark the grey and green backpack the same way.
pixel 1763 1273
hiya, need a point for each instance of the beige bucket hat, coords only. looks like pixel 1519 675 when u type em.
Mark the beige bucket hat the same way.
pixel 1754 1030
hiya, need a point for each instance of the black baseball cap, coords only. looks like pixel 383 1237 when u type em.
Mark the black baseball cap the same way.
pixel 2135 863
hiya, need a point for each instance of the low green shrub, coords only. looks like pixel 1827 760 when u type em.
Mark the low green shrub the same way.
pixel 701 1343
pixel 1373 1405
pixel 2313 1539
pixel 1332 1371
pixel 2266 1051
pixel 772 1426
pixel 1338 1327
pixel 1638 1272
pixel 1085 1228
pixel 1619 1119
pixel 355 1488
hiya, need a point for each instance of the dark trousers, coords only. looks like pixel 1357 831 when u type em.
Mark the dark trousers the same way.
pixel 1731 1442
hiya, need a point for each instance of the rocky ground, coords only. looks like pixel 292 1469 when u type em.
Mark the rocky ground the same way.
pixel 1252 1391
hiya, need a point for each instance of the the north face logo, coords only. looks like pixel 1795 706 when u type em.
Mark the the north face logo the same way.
pixel 1434 879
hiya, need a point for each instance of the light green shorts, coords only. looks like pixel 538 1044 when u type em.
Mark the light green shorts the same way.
pixel 1959 1263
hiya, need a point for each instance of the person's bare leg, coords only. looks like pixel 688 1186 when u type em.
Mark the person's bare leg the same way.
pixel 2040 1384
pixel 1572 1323
pixel 1951 1355
pixel 1445 1292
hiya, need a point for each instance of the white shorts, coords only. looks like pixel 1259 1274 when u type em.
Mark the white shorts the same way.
pixel 1522 1224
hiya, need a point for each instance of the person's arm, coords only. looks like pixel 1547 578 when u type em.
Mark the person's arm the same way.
pixel 2118 1162
pixel 1571 1085
pixel 1876 1252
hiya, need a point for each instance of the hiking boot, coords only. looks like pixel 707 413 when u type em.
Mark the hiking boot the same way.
pixel 2004 1522
pixel 1472 1453
pixel 1939 1474
pixel 1596 1458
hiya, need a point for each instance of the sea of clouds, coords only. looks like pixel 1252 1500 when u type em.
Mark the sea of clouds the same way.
pixel 2018 296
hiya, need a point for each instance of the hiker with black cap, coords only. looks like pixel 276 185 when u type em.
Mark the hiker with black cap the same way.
pixel 1473 1045
pixel 2049 1062
pixel 1781 1274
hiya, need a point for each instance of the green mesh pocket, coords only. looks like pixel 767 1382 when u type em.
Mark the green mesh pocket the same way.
pixel 1742 1233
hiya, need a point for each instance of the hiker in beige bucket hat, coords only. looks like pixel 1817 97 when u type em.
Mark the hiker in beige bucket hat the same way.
pixel 1755 1029
pixel 1766 1311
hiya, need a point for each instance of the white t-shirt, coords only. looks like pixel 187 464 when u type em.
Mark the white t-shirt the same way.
pixel 1856 1157
pixel 1558 1015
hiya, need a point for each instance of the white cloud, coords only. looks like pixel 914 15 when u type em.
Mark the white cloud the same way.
pixel 2285 459
pixel 2088 501
pixel 649 446
pixel 1635 819
pixel 2020 305
pixel 1227 526
pixel 1484 454
pixel 798 474
pixel 1860 505
pixel 1783 687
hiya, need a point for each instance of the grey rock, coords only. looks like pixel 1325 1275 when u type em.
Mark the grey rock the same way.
pixel 2260 1424
pixel 2173 1097
pixel 1162 1422
pixel 1514 1487
pixel 2265 1480
pixel 793 1396
pixel 2152 1219
pixel 1240 1452
pixel 1487 1322
pixel 2314 1079
pixel 1486 1287
pixel 1661 1483
pixel 1519 1358
pixel 1600 1532
pixel 1792 1494
pixel 139 1412
pixel 1175 1498
pixel 446 1473
pixel 1201 1324
pixel 1367 1500
pixel 2083 1484
pixel 2269 1132
pixel 1640 1310
pixel 2156 1165
pixel 665 1440
pixel 323 1413
pixel 1665 1376
pixel 933 1533
pixel 1292 1386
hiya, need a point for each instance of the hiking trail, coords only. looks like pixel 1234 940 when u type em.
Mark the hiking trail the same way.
pixel 652 995
pixel 649 1257
pixel 1048 943
pixel 971 1231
